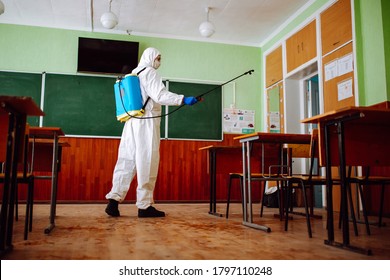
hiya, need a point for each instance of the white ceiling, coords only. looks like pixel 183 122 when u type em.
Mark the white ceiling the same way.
pixel 242 22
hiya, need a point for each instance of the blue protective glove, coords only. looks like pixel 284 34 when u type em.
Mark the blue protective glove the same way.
pixel 190 100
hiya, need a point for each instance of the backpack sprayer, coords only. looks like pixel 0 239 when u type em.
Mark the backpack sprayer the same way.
pixel 128 91
pixel 128 97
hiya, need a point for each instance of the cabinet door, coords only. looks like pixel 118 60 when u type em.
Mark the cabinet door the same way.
pixel 338 80
pixel 275 108
pixel 336 26
pixel 274 69
pixel 301 47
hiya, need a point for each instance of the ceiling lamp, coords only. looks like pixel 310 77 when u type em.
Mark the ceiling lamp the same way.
pixel 206 28
pixel 109 20
pixel 1 7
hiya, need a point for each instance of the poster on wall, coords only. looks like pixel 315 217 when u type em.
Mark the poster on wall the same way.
pixel 344 90
pixel 238 121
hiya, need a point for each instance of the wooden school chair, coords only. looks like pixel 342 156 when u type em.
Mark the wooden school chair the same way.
pixel 254 177
pixel 366 180
pixel 304 182
pixel 262 177
pixel 351 205
pixel 23 174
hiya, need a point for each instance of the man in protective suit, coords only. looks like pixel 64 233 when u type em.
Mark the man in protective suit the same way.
pixel 140 142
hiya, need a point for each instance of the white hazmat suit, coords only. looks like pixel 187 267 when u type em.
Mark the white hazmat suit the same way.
pixel 139 146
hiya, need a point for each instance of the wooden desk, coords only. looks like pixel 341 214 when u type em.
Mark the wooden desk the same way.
pixel 45 136
pixel 353 136
pixel 263 138
pixel 14 110
pixel 212 167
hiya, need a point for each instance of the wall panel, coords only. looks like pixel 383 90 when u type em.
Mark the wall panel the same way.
pixel 87 166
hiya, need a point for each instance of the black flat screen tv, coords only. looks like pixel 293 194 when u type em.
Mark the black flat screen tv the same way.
pixel 106 56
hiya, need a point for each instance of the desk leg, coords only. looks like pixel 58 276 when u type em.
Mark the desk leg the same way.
pixel 248 165
pixel 213 184
pixel 343 184
pixel 248 190
pixel 6 217
pixel 53 202
pixel 14 142
pixel 211 174
pixel 18 129
pixel 329 188
pixel 7 188
pixel 244 181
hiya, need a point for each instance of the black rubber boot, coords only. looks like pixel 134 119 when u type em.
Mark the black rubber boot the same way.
pixel 150 212
pixel 112 208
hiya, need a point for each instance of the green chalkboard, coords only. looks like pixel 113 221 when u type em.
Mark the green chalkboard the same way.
pixel 200 121
pixel 84 105
pixel 81 105
pixel 22 84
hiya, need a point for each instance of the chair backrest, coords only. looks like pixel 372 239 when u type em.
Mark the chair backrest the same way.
pixel 314 151
pixel 294 155
pixel 299 150
pixel 305 151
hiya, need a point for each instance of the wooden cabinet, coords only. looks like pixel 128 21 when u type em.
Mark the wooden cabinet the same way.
pixel 273 67
pixel 336 32
pixel 301 47
pixel 336 26
pixel 338 87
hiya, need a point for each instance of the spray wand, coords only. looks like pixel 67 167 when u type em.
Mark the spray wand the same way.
pixel 199 97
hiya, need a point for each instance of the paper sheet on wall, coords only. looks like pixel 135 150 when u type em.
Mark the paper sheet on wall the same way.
pixel 274 121
pixel 344 89
pixel 331 70
pixel 339 67
pixel 238 121
pixel 345 64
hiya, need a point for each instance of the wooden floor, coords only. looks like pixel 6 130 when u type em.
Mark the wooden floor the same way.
pixel 188 232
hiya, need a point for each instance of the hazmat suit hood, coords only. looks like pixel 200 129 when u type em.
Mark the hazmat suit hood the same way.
pixel 147 58
pixel 152 85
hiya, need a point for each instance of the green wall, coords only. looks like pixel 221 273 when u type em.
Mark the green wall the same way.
pixel 386 36
pixel 36 49
pixel 370 48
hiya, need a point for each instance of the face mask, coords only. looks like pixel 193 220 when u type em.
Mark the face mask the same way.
pixel 156 63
